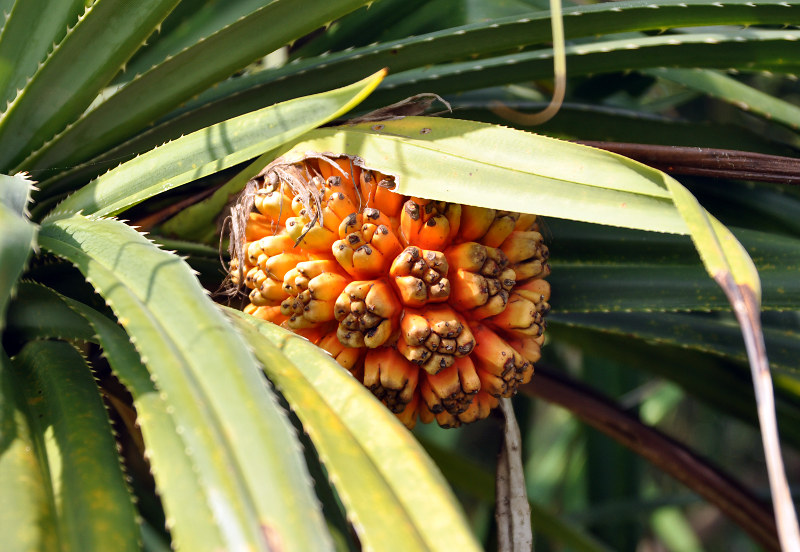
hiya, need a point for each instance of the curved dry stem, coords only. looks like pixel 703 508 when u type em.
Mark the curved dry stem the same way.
pixel 512 509
pixel 746 306
pixel 559 72
pixel 238 223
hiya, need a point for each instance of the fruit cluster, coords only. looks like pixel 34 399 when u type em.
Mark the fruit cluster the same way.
pixel 438 308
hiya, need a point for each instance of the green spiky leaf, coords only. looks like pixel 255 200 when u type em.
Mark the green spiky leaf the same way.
pixel 28 38
pixel 226 417
pixel 213 149
pixel 17 234
pixel 79 500
pixel 185 74
pixel 42 313
pixel 103 40
pixel 370 456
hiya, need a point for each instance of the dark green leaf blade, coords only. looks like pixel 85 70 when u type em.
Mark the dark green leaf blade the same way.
pixel 26 513
pixel 205 19
pixel 714 333
pixel 35 314
pixel 28 37
pixel 481 40
pixel 734 49
pixel 103 40
pixel 189 518
pixel 76 449
pixel 185 74
pixel 601 269
pixel 17 235
pixel 728 89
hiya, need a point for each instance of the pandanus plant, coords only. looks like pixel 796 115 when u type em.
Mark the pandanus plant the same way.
pixel 139 410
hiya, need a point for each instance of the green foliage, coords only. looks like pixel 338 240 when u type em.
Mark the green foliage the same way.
pixel 159 111
pixel 71 493
pixel 18 235
pixel 211 150
pixel 60 90
pixel 363 446
pixel 526 170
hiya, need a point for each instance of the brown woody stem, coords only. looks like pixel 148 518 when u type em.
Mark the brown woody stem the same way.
pixel 709 162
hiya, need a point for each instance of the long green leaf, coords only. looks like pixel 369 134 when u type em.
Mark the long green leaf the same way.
pixel 358 481
pixel 189 517
pixel 706 332
pixel 190 520
pixel 612 269
pixel 32 28
pixel 747 50
pixel 380 472
pixel 236 96
pixel 103 40
pixel 203 21
pixel 478 164
pixel 26 515
pixel 229 422
pixel 186 74
pixel 615 124
pixel 728 89
pixel 359 28
pixel 210 150
pixel 491 37
pixel 17 235
pixel 75 448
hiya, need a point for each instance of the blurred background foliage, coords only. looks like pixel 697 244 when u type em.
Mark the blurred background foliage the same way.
pixel 635 318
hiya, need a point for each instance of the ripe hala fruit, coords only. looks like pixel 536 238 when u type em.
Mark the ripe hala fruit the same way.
pixel 437 308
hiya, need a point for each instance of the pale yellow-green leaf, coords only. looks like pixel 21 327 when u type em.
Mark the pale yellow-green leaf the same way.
pixel 213 149
pixel 503 168
pixel 395 496
pixel 481 164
